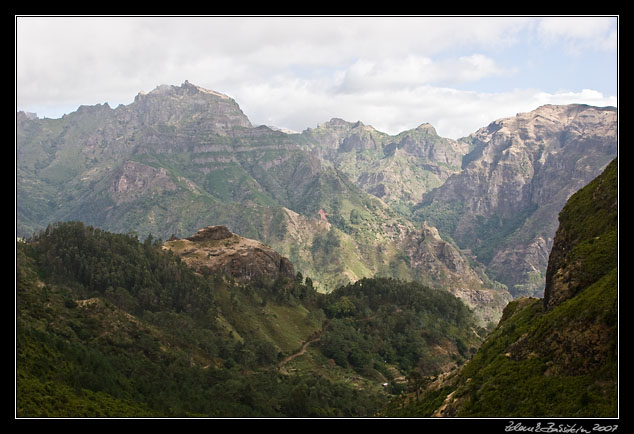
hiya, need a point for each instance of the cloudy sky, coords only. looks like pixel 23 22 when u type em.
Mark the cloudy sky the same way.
pixel 394 73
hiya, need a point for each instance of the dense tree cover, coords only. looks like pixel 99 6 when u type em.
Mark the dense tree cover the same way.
pixel 138 276
pixel 377 321
pixel 92 382
pixel 107 325
pixel 325 251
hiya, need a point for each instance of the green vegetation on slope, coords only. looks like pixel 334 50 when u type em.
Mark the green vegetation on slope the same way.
pixel 586 244
pixel 381 321
pixel 108 326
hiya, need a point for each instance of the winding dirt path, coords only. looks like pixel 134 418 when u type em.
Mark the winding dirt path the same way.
pixel 314 338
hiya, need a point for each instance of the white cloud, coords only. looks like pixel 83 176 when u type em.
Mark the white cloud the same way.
pixel 413 71
pixel 301 104
pixel 295 72
pixel 580 33
pixel 71 52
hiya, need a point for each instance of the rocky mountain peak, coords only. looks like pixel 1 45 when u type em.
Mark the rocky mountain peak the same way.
pixel 216 249
pixel 430 231
pixel 428 128
pixel 512 186
pixel 186 88
pixel 337 122
pixel 341 126
pixel 549 122
pixel 189 105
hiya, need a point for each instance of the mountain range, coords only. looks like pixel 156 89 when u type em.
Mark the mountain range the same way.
pixel 216 325
pixel 475 216
pixel 339 271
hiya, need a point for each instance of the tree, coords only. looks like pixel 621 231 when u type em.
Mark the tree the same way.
pixel 341 308
pixel 417 381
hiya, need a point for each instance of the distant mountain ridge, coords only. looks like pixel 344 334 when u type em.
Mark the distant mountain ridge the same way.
pixel 503 204
pixel 342 201
pixel 398 169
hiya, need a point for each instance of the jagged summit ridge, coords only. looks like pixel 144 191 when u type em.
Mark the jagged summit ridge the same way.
pixel 189 105
pixel 180 156
pixel 185 88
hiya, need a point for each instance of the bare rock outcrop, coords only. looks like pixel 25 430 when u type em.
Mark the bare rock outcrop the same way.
pixel 133 180
pixel 216 249
pixel 441 264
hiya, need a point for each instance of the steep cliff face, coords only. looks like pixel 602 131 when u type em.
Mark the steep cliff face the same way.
pixel 503 205
pixel 585 247
pixel 557 356
pixel 438 263
pixel 215 249
pixel 134 180
pixel 337 135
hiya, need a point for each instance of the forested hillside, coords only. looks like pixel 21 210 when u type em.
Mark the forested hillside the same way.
pixel 111 326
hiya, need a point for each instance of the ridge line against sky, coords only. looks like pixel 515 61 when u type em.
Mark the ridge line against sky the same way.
pixel 394 73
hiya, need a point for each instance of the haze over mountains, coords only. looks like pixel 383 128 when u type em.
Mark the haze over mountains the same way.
pixel 341 201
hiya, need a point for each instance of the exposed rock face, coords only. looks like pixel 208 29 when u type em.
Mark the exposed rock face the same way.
pixel 216 249
pixel 134 180
pixel 583 258
pixel 506 199
pixel 425 143
pixel 180 156
pixel 439 264
pixel 189 105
